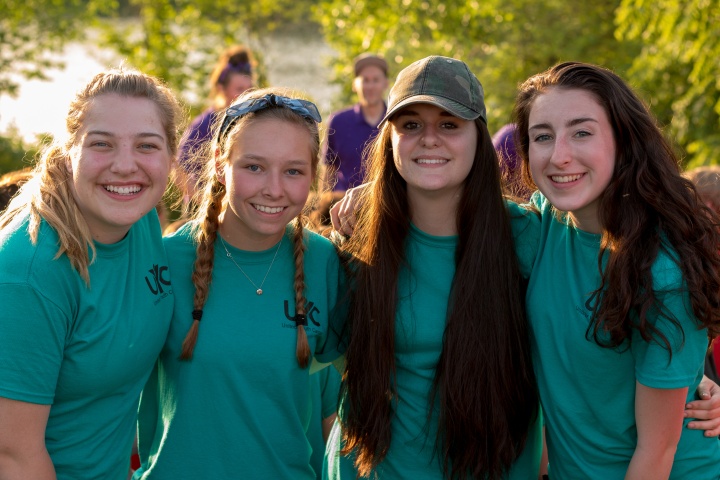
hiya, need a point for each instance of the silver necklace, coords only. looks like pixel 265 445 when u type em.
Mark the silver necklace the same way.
pixel 259 290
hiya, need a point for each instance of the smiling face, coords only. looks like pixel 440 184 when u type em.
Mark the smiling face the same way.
pixel 119 164
pixel 571 152
pixel 267 178
pixel 432 149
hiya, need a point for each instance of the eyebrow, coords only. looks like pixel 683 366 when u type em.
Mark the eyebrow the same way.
pixel 571 123
pixel 110 134
pixel 259 158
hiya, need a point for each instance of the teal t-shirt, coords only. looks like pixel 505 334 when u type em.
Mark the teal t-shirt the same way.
pixel 423 292
pixel 587 391
pixel 325 389
pixel 241 407
pixel 86 351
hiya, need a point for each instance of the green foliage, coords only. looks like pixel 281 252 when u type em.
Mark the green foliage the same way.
pixel 679 66
pixel 180 41
pixel 14 153
pixel 30 30
pixel 503 42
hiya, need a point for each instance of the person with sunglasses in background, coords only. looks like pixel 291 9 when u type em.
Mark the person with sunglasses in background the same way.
pixel 232 395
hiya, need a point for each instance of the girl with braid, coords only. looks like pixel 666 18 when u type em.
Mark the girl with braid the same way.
pixel 231 396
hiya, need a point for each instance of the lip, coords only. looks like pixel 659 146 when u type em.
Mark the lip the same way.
pixel 268 209
pixel 431 161
pixel 566 179
pixel 125 190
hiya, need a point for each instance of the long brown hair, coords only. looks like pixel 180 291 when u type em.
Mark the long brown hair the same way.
pixel 647 207
pixel 47 194
pixel 484 381
pixel 212 203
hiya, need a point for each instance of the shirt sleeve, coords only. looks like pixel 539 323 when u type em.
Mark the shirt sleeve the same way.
pixel 525 225
pixel 335 342
pixel 32 341
pixel 682 364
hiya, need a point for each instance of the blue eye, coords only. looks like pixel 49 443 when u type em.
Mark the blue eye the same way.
pixel 253 168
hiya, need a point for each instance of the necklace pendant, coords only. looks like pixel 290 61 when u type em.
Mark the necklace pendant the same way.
pixel 259 291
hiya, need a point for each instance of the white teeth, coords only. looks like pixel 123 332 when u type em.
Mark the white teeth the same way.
pixel 265 209
pixel 123 190
pixel 565 178
pixel 431 160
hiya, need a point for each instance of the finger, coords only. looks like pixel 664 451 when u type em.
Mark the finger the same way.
pixel 711 427
pixel 334 216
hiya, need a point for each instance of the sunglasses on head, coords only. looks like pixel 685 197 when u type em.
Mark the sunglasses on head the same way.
pixel 301 107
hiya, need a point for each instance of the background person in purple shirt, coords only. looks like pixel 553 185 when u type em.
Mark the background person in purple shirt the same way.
pixel 350 130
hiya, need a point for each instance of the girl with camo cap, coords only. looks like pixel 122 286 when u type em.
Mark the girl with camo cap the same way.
pixel 231 396
pixel 438 380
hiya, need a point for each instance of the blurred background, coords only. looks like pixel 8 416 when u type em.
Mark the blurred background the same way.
pixel 667 50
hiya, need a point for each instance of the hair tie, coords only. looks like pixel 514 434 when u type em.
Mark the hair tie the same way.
pixel 197 315
pixel 243 68
pixel 300 319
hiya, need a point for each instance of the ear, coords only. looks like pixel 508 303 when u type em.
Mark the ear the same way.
pixel 219 167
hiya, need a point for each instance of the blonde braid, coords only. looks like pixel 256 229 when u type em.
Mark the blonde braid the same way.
pixel 303 347
pixel 204 259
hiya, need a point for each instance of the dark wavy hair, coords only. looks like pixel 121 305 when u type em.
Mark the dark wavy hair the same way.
pixel 484 383
pixel 647 207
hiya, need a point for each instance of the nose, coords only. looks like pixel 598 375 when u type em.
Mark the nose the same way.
pixel 125 161
pixel 430 137
pixel 273 187
pixel 562 153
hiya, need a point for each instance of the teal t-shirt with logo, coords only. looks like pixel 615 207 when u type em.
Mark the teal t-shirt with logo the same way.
pixel 587 391
pixel 241 407
pixel 423 291
pixel 86 351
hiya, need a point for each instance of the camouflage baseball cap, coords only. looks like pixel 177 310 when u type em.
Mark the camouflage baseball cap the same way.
pixel 444 82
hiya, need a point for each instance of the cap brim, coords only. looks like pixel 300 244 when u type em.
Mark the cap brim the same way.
pixel 446 104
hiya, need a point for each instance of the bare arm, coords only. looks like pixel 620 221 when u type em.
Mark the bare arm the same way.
pixel 659 419
pixel 22 441
pixel 705 411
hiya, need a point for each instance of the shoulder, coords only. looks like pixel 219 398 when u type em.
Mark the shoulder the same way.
pixel 180 240
pixel 319 244
pixel 344 115
pixel 665 270
pixel 19 257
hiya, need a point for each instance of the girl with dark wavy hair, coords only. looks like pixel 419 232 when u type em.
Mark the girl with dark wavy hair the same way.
pixel 231 397
pixel 438 380
pixel 625 289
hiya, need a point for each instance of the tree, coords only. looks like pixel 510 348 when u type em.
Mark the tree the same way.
pixel 678 66
pixel 30 30
pixel 503 42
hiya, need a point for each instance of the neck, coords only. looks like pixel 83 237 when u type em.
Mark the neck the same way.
pixel 435 213
pixel 373 113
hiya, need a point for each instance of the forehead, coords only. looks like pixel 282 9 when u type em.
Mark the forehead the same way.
pixel 371 71
pixel 260 136
pixel 123 115
pixel 566 103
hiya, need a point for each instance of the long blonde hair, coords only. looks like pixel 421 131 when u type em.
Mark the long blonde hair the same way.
pixel 47 194
pixel 211 203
